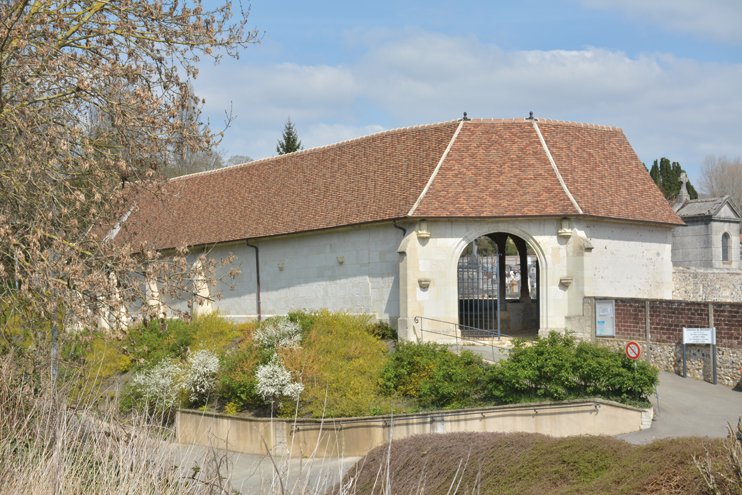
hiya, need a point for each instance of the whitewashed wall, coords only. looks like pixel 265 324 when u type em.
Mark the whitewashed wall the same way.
pixel 631 260
pixel 367 281
pixel 381 271
pixel 598 258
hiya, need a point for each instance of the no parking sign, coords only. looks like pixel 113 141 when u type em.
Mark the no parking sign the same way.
pixel 633 350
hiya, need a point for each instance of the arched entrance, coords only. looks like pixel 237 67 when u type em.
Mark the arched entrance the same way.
pixel 498 287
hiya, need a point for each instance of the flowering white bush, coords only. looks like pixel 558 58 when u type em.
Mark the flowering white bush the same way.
pixel 200 376
pixel 280 334
pixel 160 385
pixel 274 381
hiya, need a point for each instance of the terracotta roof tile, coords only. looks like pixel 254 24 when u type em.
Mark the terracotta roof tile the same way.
pixel 604 175
pixel 495 168
pixel 363 180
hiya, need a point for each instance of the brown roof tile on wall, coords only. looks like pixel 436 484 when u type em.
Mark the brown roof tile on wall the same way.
pixel 495 168
pixel 604 175
pixel 369 179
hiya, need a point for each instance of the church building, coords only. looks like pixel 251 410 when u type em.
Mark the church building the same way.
pixel 385 224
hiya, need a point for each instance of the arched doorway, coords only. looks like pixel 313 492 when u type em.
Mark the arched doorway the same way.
pixel 498 287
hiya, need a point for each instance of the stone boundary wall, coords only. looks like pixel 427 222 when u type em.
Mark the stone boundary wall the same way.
pixel 662 320
pixel 657 325
pixel 707 284
pixel 357 436
pixel 669 357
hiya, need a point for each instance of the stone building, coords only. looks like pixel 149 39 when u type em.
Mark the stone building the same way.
pixel 710 237
pixel 378 224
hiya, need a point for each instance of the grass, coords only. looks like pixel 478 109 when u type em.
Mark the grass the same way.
pixel 524 463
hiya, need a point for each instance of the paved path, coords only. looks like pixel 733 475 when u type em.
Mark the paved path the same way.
pixel 255 474
pixel 488 353
pixel 689 407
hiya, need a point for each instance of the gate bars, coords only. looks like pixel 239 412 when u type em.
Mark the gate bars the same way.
pixel 478 301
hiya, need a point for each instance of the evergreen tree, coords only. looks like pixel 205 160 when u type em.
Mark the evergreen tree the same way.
pixel 666 175
pixel 289 141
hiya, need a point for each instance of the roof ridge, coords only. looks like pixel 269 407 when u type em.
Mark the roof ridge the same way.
pixel 580 124
pixel 437 168
pixel 315 149
pixel 556 168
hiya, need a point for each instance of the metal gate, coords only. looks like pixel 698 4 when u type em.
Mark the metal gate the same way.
pixel 478 306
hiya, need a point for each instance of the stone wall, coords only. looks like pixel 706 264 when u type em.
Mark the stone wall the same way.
pixel 669 357
pixel 707 284
pixel 354 269
pixel 667 318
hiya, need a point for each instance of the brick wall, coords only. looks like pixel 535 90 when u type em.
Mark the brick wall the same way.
pixel 630 319
pixel 728 323
pixel 668 317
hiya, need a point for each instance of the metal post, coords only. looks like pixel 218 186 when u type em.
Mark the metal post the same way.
pixel 713 350
pixel 497 266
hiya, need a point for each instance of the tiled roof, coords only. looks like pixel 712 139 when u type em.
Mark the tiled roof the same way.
pixel 705 207
pixel 472 169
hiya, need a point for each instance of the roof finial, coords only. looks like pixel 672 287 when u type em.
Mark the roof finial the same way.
pixel 465 117
pixel 530 116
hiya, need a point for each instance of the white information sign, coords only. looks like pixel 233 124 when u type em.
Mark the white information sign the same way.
pixel 604 319
pixel 699 336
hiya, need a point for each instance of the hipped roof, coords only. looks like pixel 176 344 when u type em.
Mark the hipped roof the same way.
pixel 459 169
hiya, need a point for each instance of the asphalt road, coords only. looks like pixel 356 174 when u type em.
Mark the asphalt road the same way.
pixel 689 407
pixel 256 474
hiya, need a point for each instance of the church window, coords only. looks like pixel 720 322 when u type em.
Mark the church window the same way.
pixel 725 247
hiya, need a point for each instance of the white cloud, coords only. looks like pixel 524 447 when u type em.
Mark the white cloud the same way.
pixel 679 108
pixel 718 20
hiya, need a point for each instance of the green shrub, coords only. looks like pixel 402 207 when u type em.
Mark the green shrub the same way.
pixel 433 375
pixel 558 368
pixel 175 339
pixel 340 360
pixel 237 381
pixel 382 331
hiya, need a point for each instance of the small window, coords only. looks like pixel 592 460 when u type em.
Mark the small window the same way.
pixel 725 247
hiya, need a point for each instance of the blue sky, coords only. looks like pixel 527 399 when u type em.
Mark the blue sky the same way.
pixel 669 72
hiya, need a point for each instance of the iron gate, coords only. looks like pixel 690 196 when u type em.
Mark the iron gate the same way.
pixel 478 281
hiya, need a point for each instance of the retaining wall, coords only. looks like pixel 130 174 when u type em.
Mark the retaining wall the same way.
pixel 356 436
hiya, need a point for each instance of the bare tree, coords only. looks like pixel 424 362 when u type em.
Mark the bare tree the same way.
pixel 722 176
pixel 67 179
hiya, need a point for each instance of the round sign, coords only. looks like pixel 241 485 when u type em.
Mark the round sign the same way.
pixel 633 350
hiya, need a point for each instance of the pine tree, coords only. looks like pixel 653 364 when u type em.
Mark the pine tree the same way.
pixel 289 141
pixel 666 175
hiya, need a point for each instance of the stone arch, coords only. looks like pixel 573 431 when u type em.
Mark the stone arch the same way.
pixel 507 228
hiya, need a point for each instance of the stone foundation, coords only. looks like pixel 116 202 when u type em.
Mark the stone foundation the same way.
pixel 669 357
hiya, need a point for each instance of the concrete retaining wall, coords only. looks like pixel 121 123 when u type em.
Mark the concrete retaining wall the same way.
pixel 356 436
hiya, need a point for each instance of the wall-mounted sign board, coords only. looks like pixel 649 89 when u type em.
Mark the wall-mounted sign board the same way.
pixel 699 336
pixel 605 319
